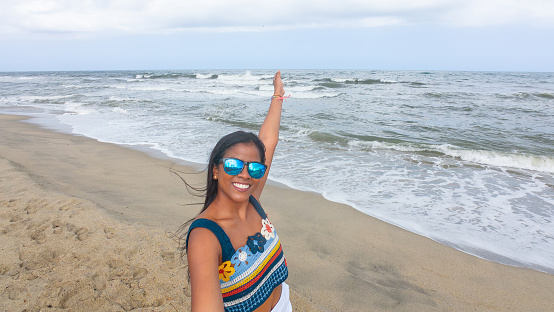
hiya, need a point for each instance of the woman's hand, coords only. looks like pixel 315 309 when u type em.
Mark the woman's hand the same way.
pixel 278 85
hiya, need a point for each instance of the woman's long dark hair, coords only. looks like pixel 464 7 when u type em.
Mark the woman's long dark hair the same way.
pixel 210 191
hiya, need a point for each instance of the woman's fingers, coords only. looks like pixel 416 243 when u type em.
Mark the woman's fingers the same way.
pixel 278 83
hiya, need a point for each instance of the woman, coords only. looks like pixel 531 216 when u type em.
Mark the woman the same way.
pixel 235 258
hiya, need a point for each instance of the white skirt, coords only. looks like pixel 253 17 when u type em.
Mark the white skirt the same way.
pixel 283 305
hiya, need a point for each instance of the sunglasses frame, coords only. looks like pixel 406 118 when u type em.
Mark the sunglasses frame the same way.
pixel 244 164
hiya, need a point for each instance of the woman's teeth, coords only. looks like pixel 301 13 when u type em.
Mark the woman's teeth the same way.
pixel 241 186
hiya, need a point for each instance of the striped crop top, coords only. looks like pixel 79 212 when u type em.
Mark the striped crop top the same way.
pixel 249 274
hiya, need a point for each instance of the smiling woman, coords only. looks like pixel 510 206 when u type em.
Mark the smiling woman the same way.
pixel 235 258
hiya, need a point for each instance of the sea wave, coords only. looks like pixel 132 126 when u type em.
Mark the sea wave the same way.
pixel 164 76
pixel 527 95
pixel 120 99
pixel 78 108
pixel 301 88
pixel 333 83
pixel 416 84
pixel 368 81
pixel 540 163
pixel 39 101
pixel 120 110
pixel 208 76
pixel 330 83
pixel 316 95
pixel 328 138
pixel 16 78
pixel 236 123
pixel 244 79
pixel 338 82
pixel 545 95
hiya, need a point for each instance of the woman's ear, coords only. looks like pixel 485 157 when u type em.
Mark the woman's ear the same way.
pixel 215 172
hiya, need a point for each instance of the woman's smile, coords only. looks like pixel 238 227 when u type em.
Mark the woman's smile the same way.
pixel 241 187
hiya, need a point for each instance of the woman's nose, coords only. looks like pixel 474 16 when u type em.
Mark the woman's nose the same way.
pixel 244 173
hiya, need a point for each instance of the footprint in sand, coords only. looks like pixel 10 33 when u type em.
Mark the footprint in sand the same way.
pixel 57 227
pixel 69 205
pixel 110 232
pixel 11 203
pixel 39 237
pixel 140 273
pixel 15 292
pixel 16 218
pixel 82 233
pixel 31 209
pixel 98 280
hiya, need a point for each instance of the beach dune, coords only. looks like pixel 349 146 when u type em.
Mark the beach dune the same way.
pixel 90 226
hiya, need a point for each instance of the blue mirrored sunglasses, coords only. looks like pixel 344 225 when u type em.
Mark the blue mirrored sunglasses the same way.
pixel 233 166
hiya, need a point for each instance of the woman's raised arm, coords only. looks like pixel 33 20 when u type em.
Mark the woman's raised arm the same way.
pixel 269 131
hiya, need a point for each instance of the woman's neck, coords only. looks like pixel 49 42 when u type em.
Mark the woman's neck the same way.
pixel 224 207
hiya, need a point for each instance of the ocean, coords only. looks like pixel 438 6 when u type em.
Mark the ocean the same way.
pixel 464 158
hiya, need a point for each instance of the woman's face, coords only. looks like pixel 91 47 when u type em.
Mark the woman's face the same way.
pixel 239 187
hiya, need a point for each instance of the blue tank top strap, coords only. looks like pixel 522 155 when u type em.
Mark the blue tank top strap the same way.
pixel 258 207
pixel 227 249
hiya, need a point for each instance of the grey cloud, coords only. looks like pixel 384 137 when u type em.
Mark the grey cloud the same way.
pixel 152 16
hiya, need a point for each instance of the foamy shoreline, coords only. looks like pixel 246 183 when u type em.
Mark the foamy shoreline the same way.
pixel 84 224
pixel 51 123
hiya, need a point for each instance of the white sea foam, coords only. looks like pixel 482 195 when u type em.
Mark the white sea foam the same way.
pixel 301 88
pixel 15 78
pixel 244 79
pixel 201 76
pixel 120 99
pixel 120 110
pixel 495 159
pixel 268 88
pixel 149 88
pixel 314 94
pixel 223 91
pixel 43 98
pixel 78 108
pixel 538 163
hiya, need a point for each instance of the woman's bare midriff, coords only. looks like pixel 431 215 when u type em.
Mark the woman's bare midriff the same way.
pixel 271 301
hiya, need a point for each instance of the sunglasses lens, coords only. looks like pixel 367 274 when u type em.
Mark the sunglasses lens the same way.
pixel 256 170
pixel 233 166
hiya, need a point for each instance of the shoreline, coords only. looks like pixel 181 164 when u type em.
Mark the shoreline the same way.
pixel 46 121
pixel 339 258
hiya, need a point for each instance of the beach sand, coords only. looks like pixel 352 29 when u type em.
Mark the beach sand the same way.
pixel 89 226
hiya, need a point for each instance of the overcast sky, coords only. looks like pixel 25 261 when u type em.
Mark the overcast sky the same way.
pixel 489 35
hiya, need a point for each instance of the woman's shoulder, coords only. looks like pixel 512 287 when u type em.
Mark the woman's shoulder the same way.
pixel 208 234
pixel 202 234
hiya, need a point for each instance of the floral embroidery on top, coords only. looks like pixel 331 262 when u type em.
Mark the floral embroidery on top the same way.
pixel 226 269
pixel 256 243
pixel 242 257
pixel 267 229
